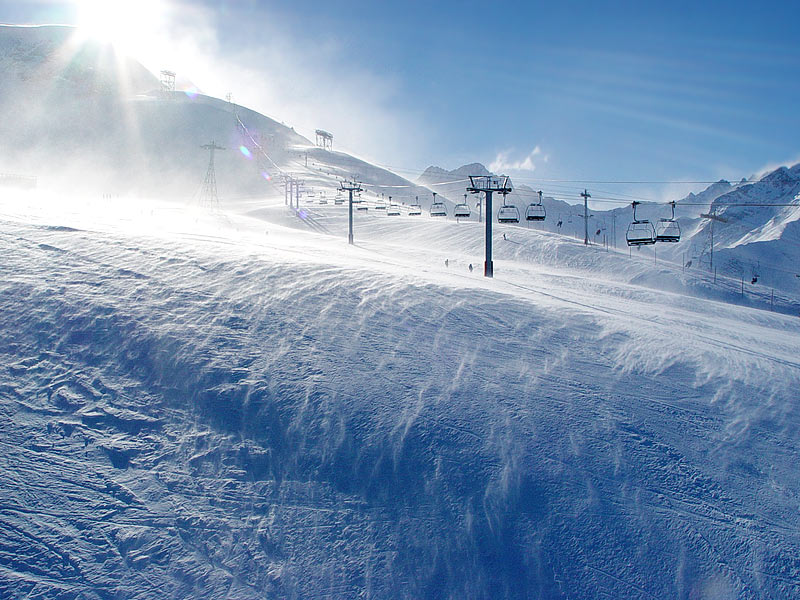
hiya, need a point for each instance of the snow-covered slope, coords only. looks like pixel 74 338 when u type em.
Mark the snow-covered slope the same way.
pixel 756 232
pixel 243 406
pixel 87 120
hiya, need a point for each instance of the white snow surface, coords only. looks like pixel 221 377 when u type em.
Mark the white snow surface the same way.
pixel 238 404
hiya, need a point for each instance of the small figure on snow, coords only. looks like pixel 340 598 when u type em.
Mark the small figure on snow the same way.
pixel 470 267
pixel 446 262
pixel 504 236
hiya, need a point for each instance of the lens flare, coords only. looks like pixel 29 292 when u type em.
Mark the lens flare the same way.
pixel 245 152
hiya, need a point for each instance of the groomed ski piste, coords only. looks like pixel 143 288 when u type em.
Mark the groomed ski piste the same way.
pixel 237 404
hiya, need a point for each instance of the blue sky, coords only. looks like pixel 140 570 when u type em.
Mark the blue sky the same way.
pixel 560 90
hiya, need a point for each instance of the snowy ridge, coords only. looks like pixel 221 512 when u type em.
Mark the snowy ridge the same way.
pixel 194 407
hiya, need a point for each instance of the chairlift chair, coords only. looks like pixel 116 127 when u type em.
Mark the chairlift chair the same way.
pixel 668 230
pixel 414 210
pixel 536 211
pixel 462 210
pixel 394 209
pixel 508 213
pixel 438 209
pixel 640 232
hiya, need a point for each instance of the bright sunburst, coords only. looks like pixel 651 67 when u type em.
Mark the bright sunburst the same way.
pixel 127 24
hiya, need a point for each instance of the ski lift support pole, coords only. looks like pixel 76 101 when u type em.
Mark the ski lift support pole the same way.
pixel 713 216
pixel 350 186
pixel 586 195
pixel 488 184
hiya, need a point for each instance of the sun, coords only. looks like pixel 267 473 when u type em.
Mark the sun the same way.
pixel 126 24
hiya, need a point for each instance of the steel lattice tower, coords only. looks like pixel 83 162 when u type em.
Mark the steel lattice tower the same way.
pixel 208 193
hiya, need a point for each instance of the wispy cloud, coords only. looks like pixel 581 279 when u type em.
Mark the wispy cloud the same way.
pixel 505 162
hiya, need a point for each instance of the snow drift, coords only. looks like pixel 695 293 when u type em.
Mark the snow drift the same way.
pixel 195 408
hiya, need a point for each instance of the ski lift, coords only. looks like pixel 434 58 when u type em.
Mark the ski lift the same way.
pixel 414 210
pixel 462 210
pixel 338 200
pixel 438 209
pixel 508 213
pixel 640 232
pixel 536 212
pixel 394 209
pixel 668 230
